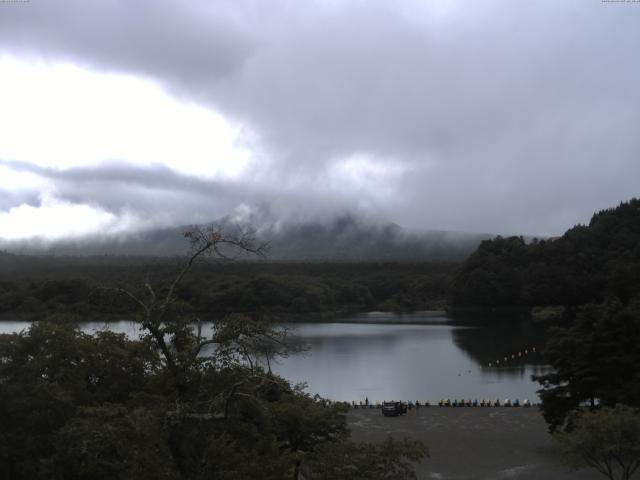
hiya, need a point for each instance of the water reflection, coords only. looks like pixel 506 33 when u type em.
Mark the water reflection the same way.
pixel 421 356
pixel 498 340
pixel 351 362
pixel 426 357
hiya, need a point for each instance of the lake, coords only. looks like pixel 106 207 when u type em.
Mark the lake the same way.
pixel 419 356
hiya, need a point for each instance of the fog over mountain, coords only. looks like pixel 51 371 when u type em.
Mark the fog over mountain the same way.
pixel 344 238
pixel 452 115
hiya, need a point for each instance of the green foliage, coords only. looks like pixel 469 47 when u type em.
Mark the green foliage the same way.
pixel 595 359
pixel 79 406
pixel 585 265
pixel 169 406
pixel 390 460
pixel 591 275
pixel 112 442
pixel 548 313
pixel 267 288
pixel 50 372
pixel 606 439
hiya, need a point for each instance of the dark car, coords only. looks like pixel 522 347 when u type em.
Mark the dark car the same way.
pixel 393 409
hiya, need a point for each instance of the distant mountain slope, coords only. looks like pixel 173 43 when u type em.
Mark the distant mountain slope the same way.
pixel 584 265
pixel 345 238
pixel 348 238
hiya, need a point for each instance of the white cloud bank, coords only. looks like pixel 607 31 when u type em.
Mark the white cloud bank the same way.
pixel 492 116
pixel 60 115
pixel 53 220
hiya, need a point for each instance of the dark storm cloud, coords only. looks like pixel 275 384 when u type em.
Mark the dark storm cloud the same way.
pixel 147 37
pixel 500 116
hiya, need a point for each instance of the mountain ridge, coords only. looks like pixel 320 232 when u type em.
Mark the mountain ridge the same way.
pixel 344 238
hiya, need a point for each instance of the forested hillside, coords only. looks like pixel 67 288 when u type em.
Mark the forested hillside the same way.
pixel 34 287
pixel 593 270
pixel 167 405
pixel 345 238
pixel 586 264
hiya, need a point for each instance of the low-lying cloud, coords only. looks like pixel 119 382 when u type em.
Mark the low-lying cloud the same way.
pixel 476 116
pixel 137 198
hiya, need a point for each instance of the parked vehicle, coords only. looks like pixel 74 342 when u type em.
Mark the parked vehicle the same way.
pixel 393 409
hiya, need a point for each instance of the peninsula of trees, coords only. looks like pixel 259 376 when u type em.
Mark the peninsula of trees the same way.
pixel 585 265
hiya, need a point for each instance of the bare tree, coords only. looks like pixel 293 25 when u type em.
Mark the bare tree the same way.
pixel 161 318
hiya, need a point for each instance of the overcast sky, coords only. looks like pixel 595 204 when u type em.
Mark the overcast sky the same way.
pixel 482 116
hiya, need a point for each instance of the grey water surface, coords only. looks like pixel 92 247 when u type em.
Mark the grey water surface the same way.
pixel 419 356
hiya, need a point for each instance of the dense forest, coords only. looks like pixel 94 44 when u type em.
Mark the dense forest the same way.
pixel 586 264
pixel 592 273
pixel 79 406
pixel 592 276
pixel 31 287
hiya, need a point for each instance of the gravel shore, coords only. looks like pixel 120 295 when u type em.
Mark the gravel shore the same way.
pixel 473 443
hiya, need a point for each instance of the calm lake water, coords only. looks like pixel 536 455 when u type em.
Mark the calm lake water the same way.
pixel 419 356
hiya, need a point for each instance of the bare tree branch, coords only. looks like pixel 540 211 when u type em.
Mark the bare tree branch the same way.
pixel 159 317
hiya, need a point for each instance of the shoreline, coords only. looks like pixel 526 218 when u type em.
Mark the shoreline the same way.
pixel 472 443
